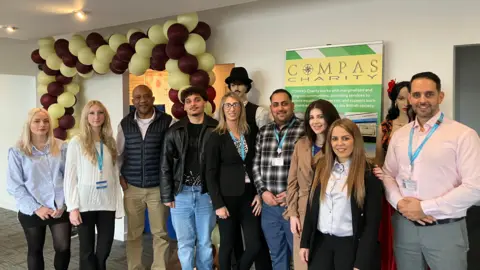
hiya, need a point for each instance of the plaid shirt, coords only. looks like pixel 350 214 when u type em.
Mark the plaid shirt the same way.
pixel 269 177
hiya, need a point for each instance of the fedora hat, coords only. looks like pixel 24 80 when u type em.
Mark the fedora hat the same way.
pixel 238 74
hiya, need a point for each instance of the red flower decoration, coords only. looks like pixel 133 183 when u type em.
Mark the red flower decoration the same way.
pixel 391 84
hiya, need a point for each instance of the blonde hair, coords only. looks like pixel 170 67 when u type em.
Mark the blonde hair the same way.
pixel 242 124
pixel 25 143
pixel 86 133
pixel 356 174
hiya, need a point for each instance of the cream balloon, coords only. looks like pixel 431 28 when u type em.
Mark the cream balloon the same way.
pixel 195 44
pixel 156 35
pixel 77 37
pixel 172 66
pixel 167 25
pixel 75 45
pixel 144 47
pixel 42 89
pixel 100 67
pixel 138 64
pixel 208 108
pixel 66 99
pixel 206 61
pixel 56 111
pixel 54 62
pixel 132 31
pixel 190 20
pixel 43 78
pixel 105 54
pixel 116 40
pixel 86 56
pixel 45 51
pixel 86 75
pixel 54 121
pixel 216 236
pixel 178 80
pixel 48 41
pixel 73 88
pixel 212 78
pixel 67 71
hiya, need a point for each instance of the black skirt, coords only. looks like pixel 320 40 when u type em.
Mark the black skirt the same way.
pixel 34 221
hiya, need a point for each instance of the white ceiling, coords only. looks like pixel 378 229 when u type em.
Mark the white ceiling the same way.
pixel 41 18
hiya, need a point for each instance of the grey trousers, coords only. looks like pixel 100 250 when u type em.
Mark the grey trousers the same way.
pixel 441 247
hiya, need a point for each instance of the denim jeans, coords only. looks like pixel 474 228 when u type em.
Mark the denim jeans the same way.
pixel 193 219
pixel 278 235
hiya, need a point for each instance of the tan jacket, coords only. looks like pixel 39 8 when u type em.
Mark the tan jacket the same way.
pixel 300 178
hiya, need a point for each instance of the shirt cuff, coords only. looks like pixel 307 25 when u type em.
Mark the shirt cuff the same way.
pixel 429 207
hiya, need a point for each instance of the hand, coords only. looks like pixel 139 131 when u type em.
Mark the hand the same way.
pixel 427 219
pixel 44 212
pixel 378 172
pixel 411 209
pixel 304 254
pixel 75 217
pixel 57 213
pixel 257 206
pixel 281 199
pixel 123 183
pixel 170 204
pixel 222 213
pixel 295 226
pixel 356 269
pixel 269 198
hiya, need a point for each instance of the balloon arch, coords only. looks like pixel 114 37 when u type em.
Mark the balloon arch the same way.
pixel 178 46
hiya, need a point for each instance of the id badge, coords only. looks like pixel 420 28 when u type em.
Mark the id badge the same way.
pixel 409 185
pixel 277 162
pixel 102 184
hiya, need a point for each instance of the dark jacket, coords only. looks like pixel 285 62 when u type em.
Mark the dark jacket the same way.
pixel 365 223
pixel 225 169
pixel 141 157
pixel 174 152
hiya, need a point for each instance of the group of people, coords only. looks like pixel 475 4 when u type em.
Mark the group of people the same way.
pixel 280 188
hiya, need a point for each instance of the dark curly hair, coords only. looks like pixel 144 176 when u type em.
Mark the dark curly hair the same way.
pixel 394 112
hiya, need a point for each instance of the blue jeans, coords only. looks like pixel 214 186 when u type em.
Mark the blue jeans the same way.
pixel 278 235
pixel 193 219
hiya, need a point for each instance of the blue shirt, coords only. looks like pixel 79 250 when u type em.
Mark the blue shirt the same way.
pixel 316 149
pixel 36 180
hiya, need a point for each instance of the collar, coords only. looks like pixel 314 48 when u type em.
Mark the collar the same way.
pixel 286 124
pixel 44 151
pixel 345 165
pixel 429 124
pixel 135 116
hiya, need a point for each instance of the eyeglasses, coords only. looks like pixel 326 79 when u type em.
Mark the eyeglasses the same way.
pixel 228 106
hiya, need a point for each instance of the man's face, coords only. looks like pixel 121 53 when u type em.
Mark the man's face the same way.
pixel 425 98
pixel 282 108
pixel 239 88
pixel 143 99
pixel 194 105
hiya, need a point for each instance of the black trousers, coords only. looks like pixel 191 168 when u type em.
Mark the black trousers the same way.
pixel 332 253
pixel 263 260
pixel 240 210
pixel 104 221
pixel 473 228
pixel 35 230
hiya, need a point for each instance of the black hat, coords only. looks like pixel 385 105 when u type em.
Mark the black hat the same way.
pixel 239 74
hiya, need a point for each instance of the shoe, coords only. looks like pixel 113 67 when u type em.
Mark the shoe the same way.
pixel 74 232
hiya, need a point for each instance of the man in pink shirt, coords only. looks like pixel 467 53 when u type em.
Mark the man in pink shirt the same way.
pixel 431 176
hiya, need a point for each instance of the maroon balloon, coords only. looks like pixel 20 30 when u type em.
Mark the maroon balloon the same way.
pixel 178 110
pixel 203 29
pixel 213 106
pixel 175 51
pixel 93 39
pixel 61 47
pixel 211 93
pixel 60 133
pixel 84 69
pixel 159 52
pixel 36 58
pixel 63 80
pixel 177 33
pixel 136 37
pixel 69 60
pixel 46 100
pixel 199 78
pixel 173 95
pixel 69 110
pixel 188 64
pixel 125 52
pixel 116 70
pixel 66 122
pixel 48 71
pixel 119 64
pixel 55 88
pixel 156 64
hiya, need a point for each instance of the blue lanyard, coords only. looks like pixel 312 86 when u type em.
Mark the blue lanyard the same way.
pixel 420 147
pixel 280 142
pixel 242 144
pixel 100 157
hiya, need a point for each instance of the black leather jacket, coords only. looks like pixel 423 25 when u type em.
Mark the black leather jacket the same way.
pixel 173 156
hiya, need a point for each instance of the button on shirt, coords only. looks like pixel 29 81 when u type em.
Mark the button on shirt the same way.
pixel 335 217
pixel 36 180
pixel 446 172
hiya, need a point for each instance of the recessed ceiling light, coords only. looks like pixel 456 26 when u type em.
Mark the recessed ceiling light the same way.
pixel 10 29
pixel 80 15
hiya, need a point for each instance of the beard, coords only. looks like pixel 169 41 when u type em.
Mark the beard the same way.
pixel 428 110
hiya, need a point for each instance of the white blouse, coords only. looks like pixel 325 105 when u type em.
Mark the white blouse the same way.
pixel 81 177
pixel 335 217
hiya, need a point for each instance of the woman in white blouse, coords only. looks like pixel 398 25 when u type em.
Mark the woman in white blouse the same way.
pixel 343 213
pixel 92 191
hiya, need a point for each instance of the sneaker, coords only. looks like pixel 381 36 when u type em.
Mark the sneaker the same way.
pixel 74 232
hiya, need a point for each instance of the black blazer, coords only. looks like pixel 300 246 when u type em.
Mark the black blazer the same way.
pixel 225 170
pixel 365 223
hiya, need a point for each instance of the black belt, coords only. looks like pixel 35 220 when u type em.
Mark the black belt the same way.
pixel 439 222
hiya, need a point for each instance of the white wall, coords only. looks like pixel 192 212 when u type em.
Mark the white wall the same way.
pixel 17 98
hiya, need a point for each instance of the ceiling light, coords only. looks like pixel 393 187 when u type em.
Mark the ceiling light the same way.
pixel 81 15
pixel 10 29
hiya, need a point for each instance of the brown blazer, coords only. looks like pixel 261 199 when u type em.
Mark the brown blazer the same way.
pixel 300 178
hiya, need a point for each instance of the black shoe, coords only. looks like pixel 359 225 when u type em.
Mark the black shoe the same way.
pixel 74 232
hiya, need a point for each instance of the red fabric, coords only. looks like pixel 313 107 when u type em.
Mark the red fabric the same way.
pixel 385 236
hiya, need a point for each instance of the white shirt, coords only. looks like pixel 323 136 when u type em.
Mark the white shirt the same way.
pixel 81 177
pixel 262 115
pixel 335 215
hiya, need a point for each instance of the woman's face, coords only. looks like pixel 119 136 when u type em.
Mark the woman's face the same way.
pixel 317 121
pixel 232 109
pixel 342 143
pixel 402 100
pixel 96 116
pixel 40 124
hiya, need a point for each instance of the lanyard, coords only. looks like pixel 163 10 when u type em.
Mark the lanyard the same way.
pixel 414 156
pixel 280 142
pixel 242 144
pixel 100 157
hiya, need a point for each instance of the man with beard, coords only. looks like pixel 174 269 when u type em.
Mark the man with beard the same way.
pixel 183 186
pixel 274 149
pixel 431 177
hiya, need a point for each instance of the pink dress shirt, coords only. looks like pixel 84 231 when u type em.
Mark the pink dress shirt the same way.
pixel 446 172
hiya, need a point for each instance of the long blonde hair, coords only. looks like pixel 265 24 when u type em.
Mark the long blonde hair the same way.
pixel 106 134
pixel 356 173
pixel 242 125
pixel 25 142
